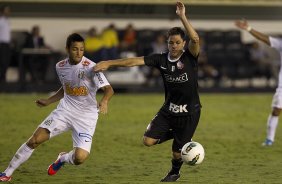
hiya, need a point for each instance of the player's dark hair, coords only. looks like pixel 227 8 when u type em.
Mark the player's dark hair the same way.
pixel 176 31
pixel 74 37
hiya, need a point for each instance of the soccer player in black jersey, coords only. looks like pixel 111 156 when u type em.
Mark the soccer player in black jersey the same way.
pixel 179 116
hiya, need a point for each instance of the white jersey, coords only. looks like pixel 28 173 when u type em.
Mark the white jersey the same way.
pixel 80 85
pixel 277 44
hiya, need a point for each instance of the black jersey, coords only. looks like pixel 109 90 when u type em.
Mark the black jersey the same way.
pixel 180 82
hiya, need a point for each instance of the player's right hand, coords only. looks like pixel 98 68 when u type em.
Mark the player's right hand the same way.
pixel 103 107
pixel 180 8
pixel 41 102
pixel 242 24
pixel 101 66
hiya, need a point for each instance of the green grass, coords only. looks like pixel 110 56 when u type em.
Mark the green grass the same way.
pixel 231 130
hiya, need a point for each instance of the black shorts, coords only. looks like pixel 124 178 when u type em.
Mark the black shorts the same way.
pixel 183 128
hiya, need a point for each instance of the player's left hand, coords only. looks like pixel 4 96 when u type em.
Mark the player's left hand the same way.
pixel 103 107
pixel 180 9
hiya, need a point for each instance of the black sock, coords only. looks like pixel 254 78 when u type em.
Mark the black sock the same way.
pixel 176 165
pixel 167 136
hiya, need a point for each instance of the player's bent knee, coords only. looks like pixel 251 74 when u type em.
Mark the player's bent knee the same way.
pixel 276 112
pixel 80 156
pixel 147 141
pixel 41 135
pixel 79 159
pixel 32 143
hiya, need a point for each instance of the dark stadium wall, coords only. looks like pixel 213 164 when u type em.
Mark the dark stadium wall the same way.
pixel 55 30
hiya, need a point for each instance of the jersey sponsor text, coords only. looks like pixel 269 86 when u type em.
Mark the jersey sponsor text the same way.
pixel 177 108
pixel 76 91
pixel 181 78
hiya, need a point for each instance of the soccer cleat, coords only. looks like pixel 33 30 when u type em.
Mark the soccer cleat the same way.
pixel 171 177
pixel 56 166
pixel 267 142
pixel 4 178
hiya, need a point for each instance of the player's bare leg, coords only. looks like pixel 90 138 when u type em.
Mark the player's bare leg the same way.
pixel 39 136
pixel 148 141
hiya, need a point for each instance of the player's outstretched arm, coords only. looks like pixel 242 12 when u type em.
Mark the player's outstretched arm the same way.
pixel 54 98
pixel 244 25
pixel 127 62
pixel 103 104
pixel 194 43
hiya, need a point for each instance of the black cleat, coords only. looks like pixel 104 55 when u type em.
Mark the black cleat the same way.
pixel 171 177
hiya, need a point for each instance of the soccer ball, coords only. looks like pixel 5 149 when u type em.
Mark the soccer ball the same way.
pixel 192 153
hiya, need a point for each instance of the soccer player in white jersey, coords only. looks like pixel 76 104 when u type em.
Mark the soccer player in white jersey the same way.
pixel 77 111
pixel 276 43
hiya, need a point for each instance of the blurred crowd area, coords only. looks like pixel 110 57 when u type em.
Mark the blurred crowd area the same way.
pixel 224 60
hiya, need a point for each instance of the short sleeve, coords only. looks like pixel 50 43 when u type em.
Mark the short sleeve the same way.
pixel 153 60
pixel 192 58
pixel 100 80
pixel 276 43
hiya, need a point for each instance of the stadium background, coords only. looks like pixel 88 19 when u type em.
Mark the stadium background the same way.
pixel 58 18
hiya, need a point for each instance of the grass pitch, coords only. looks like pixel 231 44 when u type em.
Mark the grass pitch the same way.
pixel 231 129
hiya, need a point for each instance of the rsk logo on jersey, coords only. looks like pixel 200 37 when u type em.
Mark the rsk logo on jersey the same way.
pixel 76 91
pixel 179 79
pixel 180 65
pixel 177 108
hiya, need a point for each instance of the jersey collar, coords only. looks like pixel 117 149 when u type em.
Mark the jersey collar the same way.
pixel 174 60
pixel 82 59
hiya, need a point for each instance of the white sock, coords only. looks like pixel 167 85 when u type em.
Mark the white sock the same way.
pixel 23 154
pixel 271 127
pixel 68 157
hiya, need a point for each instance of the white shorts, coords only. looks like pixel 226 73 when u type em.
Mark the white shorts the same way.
pixel 277 100
pixel 82 126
